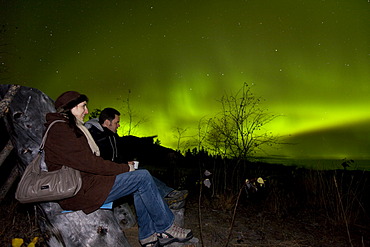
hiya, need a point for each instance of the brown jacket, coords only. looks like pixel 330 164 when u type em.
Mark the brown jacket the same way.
pixel 63 147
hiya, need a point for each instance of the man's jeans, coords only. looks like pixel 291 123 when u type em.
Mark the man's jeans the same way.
pixel 152 212
pixel 162 187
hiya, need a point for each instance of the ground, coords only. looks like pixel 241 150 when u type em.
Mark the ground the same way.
pixel 256 224
pixel 253 226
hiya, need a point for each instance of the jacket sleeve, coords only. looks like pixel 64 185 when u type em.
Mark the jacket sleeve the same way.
pixel 62 147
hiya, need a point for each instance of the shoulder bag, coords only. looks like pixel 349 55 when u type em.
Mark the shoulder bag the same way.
pixel 37 184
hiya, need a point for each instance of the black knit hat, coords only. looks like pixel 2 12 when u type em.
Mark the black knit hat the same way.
pixel 68 100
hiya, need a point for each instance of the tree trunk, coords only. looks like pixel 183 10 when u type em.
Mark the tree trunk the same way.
pixel 4 189
pixel 5 152
pixel 24 118
pixel 99 228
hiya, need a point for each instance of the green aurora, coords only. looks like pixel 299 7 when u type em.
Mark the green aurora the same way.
pixel 309 60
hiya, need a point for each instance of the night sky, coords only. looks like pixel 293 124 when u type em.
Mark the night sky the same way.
pixel 309 60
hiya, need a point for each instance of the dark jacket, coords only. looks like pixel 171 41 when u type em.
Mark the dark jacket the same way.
pixel 109 143
pixel 64 147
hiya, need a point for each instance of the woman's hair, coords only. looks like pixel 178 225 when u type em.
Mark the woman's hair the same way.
pixel 72 122
pixel 64 105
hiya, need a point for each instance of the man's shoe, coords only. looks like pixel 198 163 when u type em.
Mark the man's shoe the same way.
pixel 176 196
pixel 174 234
pixel 177 205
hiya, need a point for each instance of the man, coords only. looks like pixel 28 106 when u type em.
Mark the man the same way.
pixel 104 132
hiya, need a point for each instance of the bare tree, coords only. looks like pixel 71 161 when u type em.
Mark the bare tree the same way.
pixel 132 122
pixel 237 130
pixel 203 129
pixel 184 141
pixel 94 113
pixel 179 135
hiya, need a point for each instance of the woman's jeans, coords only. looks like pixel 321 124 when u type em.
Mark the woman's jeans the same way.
pixel 152 212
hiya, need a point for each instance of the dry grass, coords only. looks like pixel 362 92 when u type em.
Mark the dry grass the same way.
pixel 339 199
pixel 296 208
pixel 17 221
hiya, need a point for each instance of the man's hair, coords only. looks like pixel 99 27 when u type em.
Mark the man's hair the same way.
pixel 108 114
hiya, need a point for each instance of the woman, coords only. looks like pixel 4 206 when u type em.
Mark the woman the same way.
pixel 103 181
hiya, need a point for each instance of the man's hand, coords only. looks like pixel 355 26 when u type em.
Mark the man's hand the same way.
pixel 131 165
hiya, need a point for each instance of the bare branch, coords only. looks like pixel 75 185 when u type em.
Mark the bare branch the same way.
pixel 237 130
pixel 5 102
pixel 5 152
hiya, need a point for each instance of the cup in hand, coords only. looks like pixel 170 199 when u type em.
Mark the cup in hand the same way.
pixel 136 164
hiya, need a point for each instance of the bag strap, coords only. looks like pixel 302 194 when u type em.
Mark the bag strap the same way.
pixel 46 134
